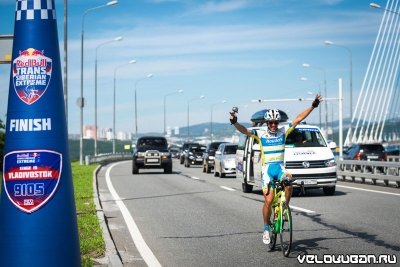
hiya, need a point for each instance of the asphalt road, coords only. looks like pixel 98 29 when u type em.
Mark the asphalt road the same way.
pixel 190 218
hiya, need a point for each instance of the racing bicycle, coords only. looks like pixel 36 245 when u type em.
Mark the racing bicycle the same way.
pixel 282 223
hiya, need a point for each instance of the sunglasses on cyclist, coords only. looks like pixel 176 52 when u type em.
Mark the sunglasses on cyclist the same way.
pixel 273 122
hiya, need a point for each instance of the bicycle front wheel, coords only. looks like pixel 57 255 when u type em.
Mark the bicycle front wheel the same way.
pixel 286 231
pixel 271 245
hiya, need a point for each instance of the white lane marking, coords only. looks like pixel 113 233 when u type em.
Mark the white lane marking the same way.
pixel 301 209
pixel 194 177
pixel 368 190
pixel 137 237
pixel 227 188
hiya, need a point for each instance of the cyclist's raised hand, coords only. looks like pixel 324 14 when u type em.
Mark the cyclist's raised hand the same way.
pixel 233 118
pixel 317 100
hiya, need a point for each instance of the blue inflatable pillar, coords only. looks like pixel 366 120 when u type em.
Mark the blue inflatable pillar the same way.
pixel 38 225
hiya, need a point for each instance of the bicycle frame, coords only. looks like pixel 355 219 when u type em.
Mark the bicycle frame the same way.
pixel 279 199
pixel 281 225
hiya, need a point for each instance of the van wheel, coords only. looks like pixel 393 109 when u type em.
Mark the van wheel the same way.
pixel 246 187
pixel 135 170
pixel 329 191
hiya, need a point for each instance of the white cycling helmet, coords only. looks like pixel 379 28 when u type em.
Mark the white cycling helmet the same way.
pixel 272 115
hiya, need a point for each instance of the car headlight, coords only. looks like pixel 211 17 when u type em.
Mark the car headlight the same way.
pixel 330 162
pixel 140 154
pixel 165 155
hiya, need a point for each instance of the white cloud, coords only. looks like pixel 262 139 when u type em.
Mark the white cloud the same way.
pixel 222 6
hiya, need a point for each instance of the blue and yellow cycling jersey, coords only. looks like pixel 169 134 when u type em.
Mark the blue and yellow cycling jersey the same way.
pixel 273 145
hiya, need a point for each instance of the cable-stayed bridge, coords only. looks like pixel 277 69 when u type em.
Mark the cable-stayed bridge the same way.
pixel 376 114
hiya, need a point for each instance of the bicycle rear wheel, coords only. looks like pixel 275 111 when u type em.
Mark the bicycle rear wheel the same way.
pixel 286 231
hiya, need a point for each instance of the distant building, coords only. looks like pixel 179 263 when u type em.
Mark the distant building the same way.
pixel 89 131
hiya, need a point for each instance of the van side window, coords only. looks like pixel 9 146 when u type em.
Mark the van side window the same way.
pixel 242 141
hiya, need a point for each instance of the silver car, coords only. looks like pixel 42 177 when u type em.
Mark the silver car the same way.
pixel 224 162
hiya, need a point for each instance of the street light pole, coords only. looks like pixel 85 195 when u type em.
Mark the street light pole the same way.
pixel 165 109
pixel 81 99
pixel 190 100
pixel 373 5
pixel 351 86
pixel 119 38
pixel 148 76
pixel 305 65
pixel 115 73
pixel 211 126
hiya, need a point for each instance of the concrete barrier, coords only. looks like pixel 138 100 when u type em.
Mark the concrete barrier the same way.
pixel 107 158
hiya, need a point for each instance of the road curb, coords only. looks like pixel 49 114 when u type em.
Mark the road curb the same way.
pixel 111 257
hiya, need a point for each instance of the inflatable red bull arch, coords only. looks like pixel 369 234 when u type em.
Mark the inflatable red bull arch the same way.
pixel 38 225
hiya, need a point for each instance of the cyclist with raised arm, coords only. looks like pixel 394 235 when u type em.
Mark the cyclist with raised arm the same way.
pixel 273 148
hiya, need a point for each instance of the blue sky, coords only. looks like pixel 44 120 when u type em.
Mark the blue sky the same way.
pixel 233 50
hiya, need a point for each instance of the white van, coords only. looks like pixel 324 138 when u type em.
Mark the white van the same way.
pixel 308 157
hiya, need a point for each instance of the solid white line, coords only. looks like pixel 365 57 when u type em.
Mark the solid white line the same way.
pixel 368 190
pixel 227 188
pixel 137 237
pixel 301 209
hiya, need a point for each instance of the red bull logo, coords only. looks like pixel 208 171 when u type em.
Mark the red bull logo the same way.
pixel 31 74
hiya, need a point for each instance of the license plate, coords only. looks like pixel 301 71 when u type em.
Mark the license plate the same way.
pixel 199 159
pixel 372 157
pixel 152 160
pixel 308 182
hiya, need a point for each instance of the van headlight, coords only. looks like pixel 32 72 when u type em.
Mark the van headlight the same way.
pixel 330 162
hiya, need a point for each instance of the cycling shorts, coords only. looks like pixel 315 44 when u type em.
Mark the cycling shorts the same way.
pixel 272 172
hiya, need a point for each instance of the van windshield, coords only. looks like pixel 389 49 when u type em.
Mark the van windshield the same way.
pixel 305 137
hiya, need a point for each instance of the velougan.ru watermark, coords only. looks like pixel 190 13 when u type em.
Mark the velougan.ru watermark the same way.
pixel 348 259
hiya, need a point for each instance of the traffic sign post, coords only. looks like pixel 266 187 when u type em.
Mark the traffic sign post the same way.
pixel 38 225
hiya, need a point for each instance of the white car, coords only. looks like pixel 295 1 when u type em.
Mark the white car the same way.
pixel 224 162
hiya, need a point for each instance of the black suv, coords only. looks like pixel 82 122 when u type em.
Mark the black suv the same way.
pixel 194 155
pixel 208 156
pixel 151 153
pixel 375 152
pixel 184 148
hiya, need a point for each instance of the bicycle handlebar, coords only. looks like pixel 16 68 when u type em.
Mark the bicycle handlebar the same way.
pixel 283 183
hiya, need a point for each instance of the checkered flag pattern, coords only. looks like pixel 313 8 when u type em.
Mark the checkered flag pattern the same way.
pixel 35 9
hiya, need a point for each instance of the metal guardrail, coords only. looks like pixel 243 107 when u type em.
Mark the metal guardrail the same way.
pixel 393 158
pixel 107 158
pixel 375 170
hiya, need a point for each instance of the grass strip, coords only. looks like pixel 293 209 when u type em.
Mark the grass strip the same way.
pixel 90 234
